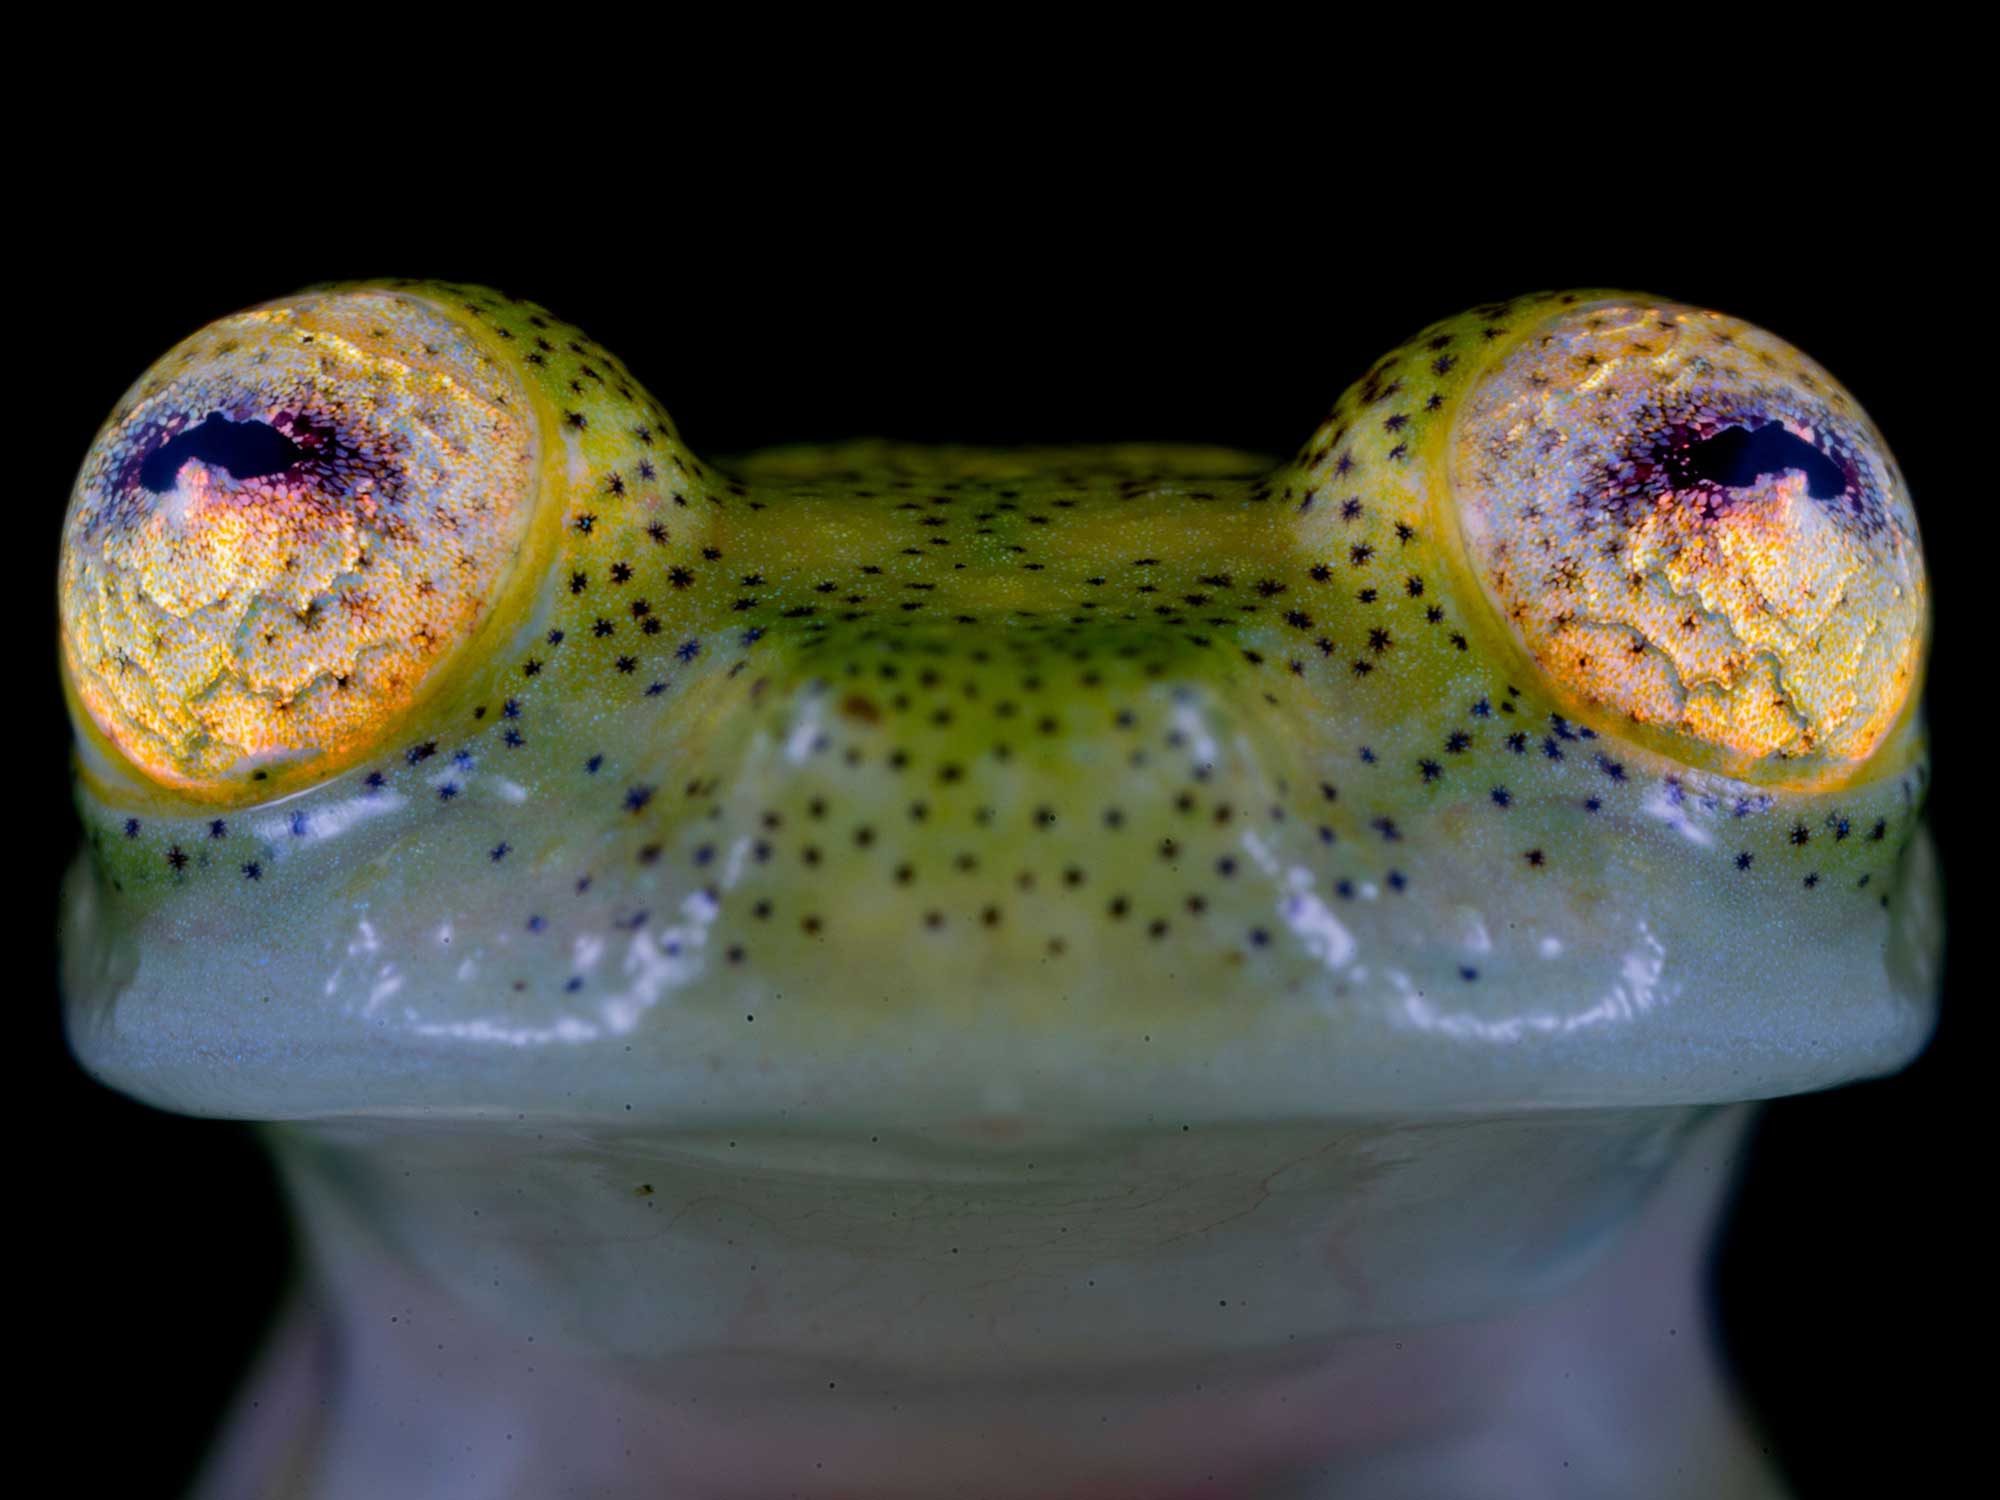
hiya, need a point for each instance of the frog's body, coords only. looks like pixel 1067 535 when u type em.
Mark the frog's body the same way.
pixel 836 798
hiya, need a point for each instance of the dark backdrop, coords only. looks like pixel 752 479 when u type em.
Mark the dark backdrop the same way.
pixel 976 307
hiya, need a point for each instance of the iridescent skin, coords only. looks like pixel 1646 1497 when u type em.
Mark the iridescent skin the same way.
pixel 876 799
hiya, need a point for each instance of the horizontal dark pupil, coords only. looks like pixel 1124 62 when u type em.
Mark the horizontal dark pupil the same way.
pixel 1736 457
pixel 247 450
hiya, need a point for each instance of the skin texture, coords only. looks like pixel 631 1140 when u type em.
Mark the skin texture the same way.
pixel 1068 781
pixel 910 970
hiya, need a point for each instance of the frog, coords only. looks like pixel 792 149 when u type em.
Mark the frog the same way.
pixel 879 968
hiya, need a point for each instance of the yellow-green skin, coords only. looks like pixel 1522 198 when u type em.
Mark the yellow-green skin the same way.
pixel 873 785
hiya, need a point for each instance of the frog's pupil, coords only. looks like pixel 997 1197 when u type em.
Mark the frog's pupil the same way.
pixel 248 450
pixel 1737 457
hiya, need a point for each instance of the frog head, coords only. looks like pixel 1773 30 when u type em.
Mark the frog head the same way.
pixel 451 739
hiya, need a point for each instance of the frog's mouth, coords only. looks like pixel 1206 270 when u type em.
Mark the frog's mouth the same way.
pixel 203 1027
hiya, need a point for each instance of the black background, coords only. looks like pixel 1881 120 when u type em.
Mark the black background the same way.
pixel 982 305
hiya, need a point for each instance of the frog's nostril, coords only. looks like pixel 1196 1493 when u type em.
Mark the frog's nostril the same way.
pixel 1738 457
pixel 246 450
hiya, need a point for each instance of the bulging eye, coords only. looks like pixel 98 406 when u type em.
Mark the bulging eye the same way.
pixel 1691 526
pixel 287 534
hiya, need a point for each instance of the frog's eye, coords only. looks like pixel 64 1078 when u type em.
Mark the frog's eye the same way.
pixel 286 536
pixel 1694 530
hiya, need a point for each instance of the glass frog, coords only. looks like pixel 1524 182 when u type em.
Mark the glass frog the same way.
pixel 1090 971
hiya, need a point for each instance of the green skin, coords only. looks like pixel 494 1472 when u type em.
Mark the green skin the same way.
pixel 1010 765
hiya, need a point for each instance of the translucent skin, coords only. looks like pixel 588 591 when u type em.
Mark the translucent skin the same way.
pixel 872 785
